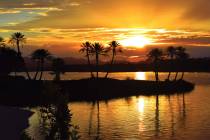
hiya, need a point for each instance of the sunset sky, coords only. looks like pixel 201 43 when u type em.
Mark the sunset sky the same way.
pixel 62 25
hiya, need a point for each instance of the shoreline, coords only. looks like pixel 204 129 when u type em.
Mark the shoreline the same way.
pixel 31 93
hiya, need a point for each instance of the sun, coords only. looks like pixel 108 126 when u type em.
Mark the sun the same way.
pixel 136 41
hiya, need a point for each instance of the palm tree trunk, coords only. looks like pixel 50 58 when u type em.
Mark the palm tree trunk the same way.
pixel 23 64
pixel 20 55
pixel 156 76
pixel 37 69
pixel 88 58
pixel 182 75
pixel 27 73
pixel 156 72
pixel 18 48
pixel 42 68
pixel 97 55
pixel 112 61
pixel 169 74
pixel 57 76
pixel 176 76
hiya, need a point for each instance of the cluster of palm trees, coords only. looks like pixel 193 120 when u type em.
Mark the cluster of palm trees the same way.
pixel 97 49
pixel 172 53
pixel 39 56
pixel 91 50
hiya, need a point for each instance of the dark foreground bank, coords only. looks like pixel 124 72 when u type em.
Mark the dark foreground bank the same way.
pixel 13 122
pixel 31 93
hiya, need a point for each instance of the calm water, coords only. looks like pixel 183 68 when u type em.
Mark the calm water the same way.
pixel 135 118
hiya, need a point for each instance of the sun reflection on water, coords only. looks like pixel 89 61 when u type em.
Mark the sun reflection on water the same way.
pixel 140 76
pixel 141 105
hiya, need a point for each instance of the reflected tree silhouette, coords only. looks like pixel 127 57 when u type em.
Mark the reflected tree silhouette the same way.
pixel 56 117
pixel 157 119
pixel 91 118
pixel 98 120
pixel 97 135
pixel 183 105
pixel 172 117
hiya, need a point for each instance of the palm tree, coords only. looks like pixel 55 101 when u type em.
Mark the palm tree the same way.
pixel 155 55
pixel 179 51
pixel 182 56
pixel 58 68
pixel 86 48
pixel 2 42
pixel 113 46
pixel 40 55
pixel 17 39
pixel 8 60
pixel 97 50
pixel 171 52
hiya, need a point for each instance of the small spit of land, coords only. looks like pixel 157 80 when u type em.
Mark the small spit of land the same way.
pixel 30 92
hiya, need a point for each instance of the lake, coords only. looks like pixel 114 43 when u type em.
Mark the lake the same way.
pixel 181 116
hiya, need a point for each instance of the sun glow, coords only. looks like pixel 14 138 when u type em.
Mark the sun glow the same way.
pixel 136 41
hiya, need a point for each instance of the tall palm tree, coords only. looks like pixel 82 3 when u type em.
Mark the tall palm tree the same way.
pixel 182 55
pixel 86 48
pixel 155 55
pixel 97 50
pixel 171 52
pixel 113 46
pixel 58 68
pixel 40 55
pixel 19 39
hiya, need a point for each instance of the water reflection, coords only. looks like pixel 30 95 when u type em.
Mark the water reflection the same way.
pixel 181 116
pixel 141 105
pixel 154 117
pixel 140 76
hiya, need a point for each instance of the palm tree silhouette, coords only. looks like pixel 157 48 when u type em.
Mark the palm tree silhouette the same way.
pixel 19 39
pixel 182 56
pixel 155 55
pixel 2 42
pixel 58 68
pixel 171 52
pixel 40 55
pixel 113 46
pixel 97 50
pixel 8 60
pixel 86 48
